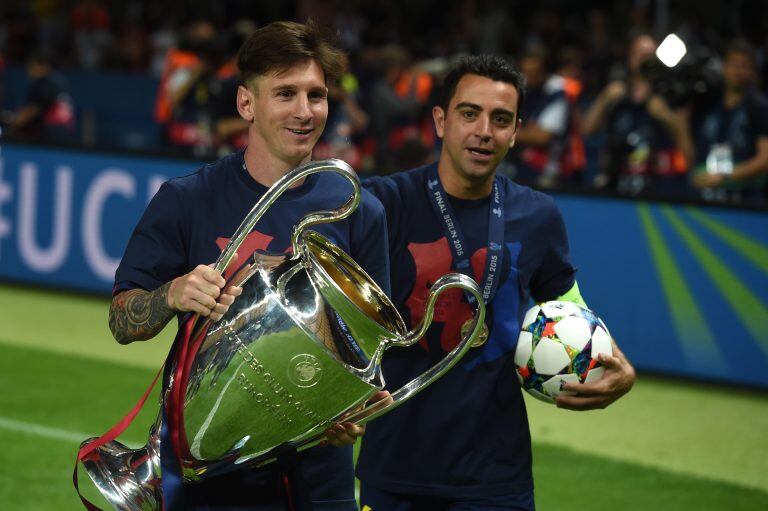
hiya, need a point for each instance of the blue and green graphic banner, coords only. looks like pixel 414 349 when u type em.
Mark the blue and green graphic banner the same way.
pixel 683 289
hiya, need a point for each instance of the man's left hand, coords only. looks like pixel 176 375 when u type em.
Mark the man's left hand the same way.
pixel 343 433
pixel 618 378
pixel 347 433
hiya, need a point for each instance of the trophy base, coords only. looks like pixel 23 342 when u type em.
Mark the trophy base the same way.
pixel 126 477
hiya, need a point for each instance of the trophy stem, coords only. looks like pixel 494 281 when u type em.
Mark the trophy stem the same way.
pixel 129 479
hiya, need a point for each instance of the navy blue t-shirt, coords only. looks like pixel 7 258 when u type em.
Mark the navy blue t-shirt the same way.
pixel 190 220
pixel 466 435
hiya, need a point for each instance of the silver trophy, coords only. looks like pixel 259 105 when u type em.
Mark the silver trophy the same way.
pixel 300 349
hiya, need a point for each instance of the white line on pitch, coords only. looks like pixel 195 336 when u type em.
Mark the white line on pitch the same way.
pixel 29 428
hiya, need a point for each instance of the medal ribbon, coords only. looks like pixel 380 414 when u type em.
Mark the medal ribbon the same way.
pixel 438 198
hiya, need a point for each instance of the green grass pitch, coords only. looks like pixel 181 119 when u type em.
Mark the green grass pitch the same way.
pixel 665 446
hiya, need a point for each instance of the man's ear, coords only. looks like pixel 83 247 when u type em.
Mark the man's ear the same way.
pixel 438 115
pixel 514 136
pixel 245 103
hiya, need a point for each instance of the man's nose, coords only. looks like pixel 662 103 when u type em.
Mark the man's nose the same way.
pixel 483 128
pixel 303 111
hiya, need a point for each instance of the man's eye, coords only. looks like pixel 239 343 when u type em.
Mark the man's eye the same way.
pixel 502 119
pixel 285 93
pixel 469 114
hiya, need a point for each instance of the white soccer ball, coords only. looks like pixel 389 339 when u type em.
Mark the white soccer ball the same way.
pixel 559 342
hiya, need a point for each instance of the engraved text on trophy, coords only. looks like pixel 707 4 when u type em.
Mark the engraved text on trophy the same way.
pixel 279 391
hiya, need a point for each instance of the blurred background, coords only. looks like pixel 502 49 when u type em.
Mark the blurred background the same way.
pixel 646 120
pixel 159 77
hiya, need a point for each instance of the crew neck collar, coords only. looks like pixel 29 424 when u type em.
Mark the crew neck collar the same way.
pixel 245 177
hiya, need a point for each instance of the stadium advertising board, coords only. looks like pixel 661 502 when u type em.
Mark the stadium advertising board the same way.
pixel 683 289
pixel 65 216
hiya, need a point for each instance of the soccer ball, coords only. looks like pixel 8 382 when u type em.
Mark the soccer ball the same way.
pixel 559 343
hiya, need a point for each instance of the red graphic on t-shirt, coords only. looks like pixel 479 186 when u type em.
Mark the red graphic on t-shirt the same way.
pixel 253 242
pixel 433 260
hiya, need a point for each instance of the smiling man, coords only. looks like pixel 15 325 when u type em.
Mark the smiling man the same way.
pixel 464 444
pixel 164 272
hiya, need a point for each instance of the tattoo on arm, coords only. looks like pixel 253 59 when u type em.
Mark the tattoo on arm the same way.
pixel 138 315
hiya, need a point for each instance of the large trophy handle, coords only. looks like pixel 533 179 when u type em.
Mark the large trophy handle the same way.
pixel 413 387
pixel 283 184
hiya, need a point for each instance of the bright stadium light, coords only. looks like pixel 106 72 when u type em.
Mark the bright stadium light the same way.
pixel 671 50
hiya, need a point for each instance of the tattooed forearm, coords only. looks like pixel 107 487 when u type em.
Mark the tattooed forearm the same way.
pixel 138 315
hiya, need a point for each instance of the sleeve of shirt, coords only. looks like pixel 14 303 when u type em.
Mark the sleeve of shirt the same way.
pixel 388 194
pixel 555 276
pixel 369 244
pixel 156 251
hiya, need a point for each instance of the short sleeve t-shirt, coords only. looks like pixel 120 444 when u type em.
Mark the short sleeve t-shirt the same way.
pixel 467 434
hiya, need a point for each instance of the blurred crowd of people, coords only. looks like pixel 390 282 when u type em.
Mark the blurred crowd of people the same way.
pixel 601 110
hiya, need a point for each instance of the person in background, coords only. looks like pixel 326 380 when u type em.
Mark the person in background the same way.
pixel 398 104
pixel 347 121
pixel 178 97
pixel 91 25
pixel 47 114
pixel 230 130
pixel 648 145
pixel 731 134
pixel 550 148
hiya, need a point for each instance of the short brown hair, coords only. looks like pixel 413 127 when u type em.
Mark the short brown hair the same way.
pixel 280 45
